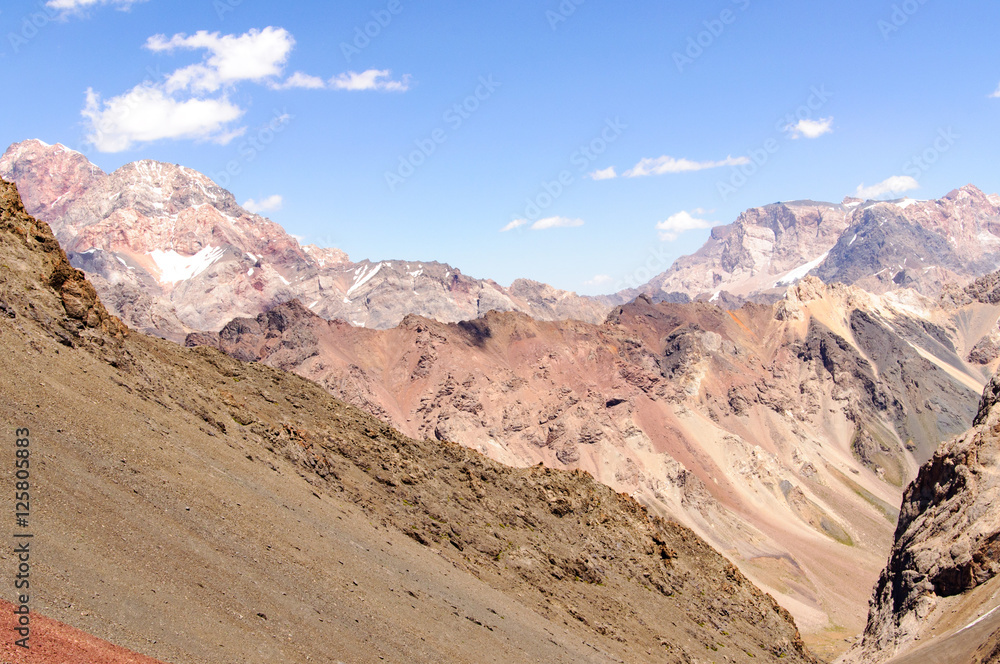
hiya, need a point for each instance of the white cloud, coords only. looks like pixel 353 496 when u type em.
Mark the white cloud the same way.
pixel 664 165
pixel 371 79
pixel 253 56
pixel 811 128
pixel 69 6
pixel 604 174
pixel 671 228
pixel 897 184
pixel 996 93
pixel 517 223
pixel 269 204
pixel 556 222
pixel 193 102
pixel 147 113
pixel 598 280
pixel 301 80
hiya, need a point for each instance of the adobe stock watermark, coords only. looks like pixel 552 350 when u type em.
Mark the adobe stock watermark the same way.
pixel 454 117
pixel 562 13
pixel 364 34
pixel 223 7
pixel 253 144
pixel 917 165
pixel 901 15
pixel 581 159
pixel 704 40
pixel 786 126
pixel 31 25
pixel 657 261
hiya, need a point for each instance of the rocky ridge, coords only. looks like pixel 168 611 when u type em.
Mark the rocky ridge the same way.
pixel 878 246
pixel 945 550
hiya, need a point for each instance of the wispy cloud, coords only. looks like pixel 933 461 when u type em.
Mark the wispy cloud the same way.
pixel 71 6
pixel 604 174
pixel 675 225
pixel 996 93
pixel 372 79
pixel 897 184
pixel 666 165
pixel 544 224
pixel 517 223
pixel 270 204
pixel 810 128
pixel 599 280
pixel 556 222
pixel 301 80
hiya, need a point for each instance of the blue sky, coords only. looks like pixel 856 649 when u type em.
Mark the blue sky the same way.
pixel 605 139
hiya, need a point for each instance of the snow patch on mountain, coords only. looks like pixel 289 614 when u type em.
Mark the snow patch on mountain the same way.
pixel 362 279
pixel 795 275
pixel 174 267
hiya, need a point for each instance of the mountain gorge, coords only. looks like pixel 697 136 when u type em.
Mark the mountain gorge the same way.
pixel 936 600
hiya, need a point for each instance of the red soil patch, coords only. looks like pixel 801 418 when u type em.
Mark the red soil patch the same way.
pixel 53 642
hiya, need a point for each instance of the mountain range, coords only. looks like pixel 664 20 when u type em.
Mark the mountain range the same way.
pixel 196 508
pixel 775 392
pixel 171 252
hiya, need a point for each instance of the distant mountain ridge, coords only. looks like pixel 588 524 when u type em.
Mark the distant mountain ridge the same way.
pixel 879 246
pixel 172 252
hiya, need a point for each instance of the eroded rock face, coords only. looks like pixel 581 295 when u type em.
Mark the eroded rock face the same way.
pixel 755 251
pixel 947 541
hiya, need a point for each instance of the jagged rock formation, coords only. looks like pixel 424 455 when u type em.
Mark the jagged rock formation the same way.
pixel 947 546
pixel 783 434
pixel 172 252
pixel 268 521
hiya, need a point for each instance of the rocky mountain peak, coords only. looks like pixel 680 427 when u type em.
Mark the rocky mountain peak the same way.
pixel 68 175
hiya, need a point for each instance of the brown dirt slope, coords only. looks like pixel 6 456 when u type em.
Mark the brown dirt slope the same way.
pixel 196 508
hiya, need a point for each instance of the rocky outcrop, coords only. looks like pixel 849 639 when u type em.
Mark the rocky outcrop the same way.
pixel 947 541
pixel 83 318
